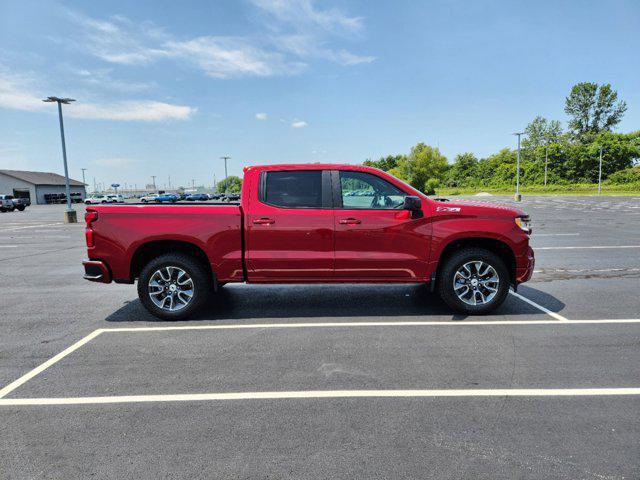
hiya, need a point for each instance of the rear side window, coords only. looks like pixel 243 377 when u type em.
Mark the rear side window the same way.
pixel 294 189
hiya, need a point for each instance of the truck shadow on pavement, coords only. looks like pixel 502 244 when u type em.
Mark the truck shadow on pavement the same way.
pixel 235 302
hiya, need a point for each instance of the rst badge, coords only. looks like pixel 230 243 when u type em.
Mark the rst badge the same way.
pixel 447 209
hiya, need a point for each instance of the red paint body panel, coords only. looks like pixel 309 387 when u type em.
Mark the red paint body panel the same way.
pixel 288 245
pixel 121 229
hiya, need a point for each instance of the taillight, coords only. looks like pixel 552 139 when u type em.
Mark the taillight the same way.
pixel 90 217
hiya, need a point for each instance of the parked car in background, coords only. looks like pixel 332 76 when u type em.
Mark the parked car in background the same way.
pixel 113 198
pixel 166 197
pixel 6 203
pixel 231 197
pixel 149 198
pixel 198 197
pixel 96 198
pixel 215 196
pixel 20 203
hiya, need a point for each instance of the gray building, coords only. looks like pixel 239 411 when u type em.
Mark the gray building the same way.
pixel 39 187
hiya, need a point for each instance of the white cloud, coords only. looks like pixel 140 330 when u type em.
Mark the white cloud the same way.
pixel 302 13
pixel 117 162
pixel 299 124
pixel 261 116
pixel 103 79
pixel 303 45
pixel 298 31
pixel 20 92
pixel 145 111
pixel 225 57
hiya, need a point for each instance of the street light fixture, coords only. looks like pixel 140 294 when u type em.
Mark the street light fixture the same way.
pixel 517 197
pixel 226 186
pixel 70 215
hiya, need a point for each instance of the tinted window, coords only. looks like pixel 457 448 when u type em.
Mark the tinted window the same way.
pixel 364 190
pixel 294 189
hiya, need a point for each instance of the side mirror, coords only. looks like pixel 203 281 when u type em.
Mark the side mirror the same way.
pixel 414 205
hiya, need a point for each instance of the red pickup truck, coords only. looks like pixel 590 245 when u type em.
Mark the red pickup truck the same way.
pixel 311 224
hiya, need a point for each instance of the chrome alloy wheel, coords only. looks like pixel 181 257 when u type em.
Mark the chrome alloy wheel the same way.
pixel 171 288
pixel 476 283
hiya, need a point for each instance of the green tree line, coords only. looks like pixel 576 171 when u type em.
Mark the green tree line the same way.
pixel 571 156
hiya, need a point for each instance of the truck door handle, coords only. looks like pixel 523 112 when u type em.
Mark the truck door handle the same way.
pixel 264 221
pixel 349 221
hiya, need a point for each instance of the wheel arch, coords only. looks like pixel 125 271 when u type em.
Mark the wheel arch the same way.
pixel 499 247
pixel 150 250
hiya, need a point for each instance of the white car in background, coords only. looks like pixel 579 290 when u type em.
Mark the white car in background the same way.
pixel 149 198
pixel 96 198
pixel 113 198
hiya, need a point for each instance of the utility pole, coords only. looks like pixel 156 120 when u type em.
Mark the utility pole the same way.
pixel 193 184
pixel 94 185
pixel 226 186
pixel 600 173
pixel 154 183
pixel 517 196
pixel 546 161
pixel 85 185
pixel 70 215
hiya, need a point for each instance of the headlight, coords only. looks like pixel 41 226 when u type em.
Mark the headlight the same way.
pixel 524 223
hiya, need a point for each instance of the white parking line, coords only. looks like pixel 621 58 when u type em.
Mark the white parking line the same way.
pixel 555 234
pixel 585 270
pixel 317 394
pixel 9 246
pixel 555 315
pixel 15 384
pixel 587 247
pixel 29 375
pixel 34 226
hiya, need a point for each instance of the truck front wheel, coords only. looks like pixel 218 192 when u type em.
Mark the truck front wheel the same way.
pixel 473 281
pixel 174 286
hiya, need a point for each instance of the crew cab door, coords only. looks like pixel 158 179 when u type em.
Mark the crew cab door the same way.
pixel 374 237
pixel 289 227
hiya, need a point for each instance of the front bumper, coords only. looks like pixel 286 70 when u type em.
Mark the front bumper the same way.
pixel 523 274
pixel 96 271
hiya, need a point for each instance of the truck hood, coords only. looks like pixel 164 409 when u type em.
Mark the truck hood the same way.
pixel 476 209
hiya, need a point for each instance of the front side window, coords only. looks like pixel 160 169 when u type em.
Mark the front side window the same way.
pixel 294 189
pixel 364 190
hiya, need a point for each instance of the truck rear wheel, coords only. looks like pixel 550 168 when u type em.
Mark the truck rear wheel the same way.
pixel 473 281
pixel 174 286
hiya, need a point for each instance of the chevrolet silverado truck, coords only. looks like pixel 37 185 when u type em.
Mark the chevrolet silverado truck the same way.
pixel 311 224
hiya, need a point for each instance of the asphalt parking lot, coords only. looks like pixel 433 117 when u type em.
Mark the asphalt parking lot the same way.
pixel 348 381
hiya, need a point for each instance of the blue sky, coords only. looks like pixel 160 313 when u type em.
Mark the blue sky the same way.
pixel 165 88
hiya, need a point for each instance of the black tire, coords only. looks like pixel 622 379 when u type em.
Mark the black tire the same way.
pixel 142 200
pixel 21 208
pixel 202 285
pixel 448 270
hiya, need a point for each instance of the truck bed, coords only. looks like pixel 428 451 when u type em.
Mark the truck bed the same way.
pixel 121 230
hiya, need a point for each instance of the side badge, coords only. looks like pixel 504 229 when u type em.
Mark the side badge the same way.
pixel 447 209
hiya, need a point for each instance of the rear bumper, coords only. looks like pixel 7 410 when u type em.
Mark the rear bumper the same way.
pixel 525 272
pixel 96 271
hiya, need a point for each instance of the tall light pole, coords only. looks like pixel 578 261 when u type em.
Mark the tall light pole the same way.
pixel 225 158
pixel 600 173
pixel 70 215
pixel 154 182
pixel 517 196
pixel 546 161
pixel 85 185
